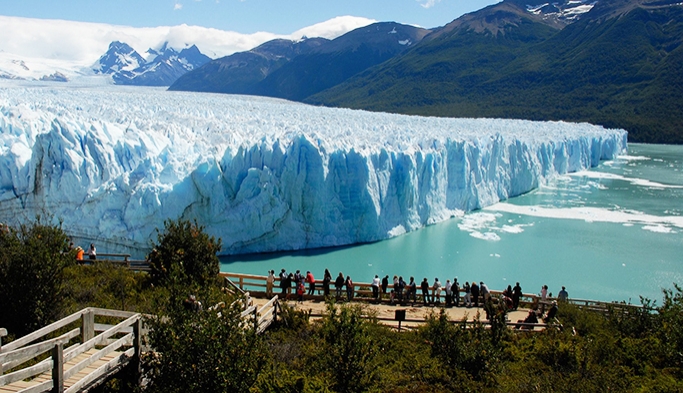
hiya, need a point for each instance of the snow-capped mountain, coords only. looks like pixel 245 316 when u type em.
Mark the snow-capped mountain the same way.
pixel 260 173
pixel 119 57
pixel 161 67
pixel 566 11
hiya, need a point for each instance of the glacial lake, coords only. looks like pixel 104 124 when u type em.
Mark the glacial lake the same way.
pixel 613 233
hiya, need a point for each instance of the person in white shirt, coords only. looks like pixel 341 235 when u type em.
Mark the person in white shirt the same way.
pixel 436 290
pixel 375 287
pixel 269 283
pixel 449 294
pixel 92 253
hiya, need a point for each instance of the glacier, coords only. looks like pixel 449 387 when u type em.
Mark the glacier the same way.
pixel 112 163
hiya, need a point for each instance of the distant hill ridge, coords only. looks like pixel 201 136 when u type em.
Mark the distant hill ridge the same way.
pixel 615 63
pixel 618 65
pixel 298 69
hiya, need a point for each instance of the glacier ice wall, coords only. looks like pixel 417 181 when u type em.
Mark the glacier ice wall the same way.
pixel 262 174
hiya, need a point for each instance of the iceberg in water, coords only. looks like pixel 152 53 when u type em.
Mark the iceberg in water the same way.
pixel 263 174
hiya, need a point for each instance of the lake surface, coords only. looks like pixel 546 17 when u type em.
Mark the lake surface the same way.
pixel 613 233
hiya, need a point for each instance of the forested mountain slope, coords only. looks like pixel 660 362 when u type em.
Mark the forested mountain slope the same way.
pixel 619 66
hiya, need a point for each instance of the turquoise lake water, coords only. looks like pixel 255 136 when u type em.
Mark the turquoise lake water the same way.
pixel 613 233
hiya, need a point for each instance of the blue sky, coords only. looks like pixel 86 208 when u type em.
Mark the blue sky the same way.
pixel 244 16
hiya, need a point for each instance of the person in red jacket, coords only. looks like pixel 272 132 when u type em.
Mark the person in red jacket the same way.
pixel 311 283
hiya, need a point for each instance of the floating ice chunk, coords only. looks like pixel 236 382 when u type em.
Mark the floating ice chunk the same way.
pixel 658 229
pixel 589 214
pixel 490 236
pixel 635 181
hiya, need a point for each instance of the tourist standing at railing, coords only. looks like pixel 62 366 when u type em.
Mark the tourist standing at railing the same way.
pixel 349 288
pixel 401 288
pixel 290 281
pixel 311 283
pixel 467 302
pixel 283 281
pixel 485 293
pixel 425 291
pixel 544 292
pixel 395 286
pixel 455 288
pixel 339 284
pixel 385 284
pixel 412 290
pixel 516 295
pixel 475 293
pixel 300 289
pixel 449 294
pixel 436 291
pixel 92 252
pixel 563 295
pixel 79 254
pixel 375 287
pixel 326 283
pixel 269 283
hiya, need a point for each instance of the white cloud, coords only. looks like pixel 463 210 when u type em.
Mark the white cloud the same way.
pixel 74 45
pixel 428 3
pixel 332 28
pixel 177 6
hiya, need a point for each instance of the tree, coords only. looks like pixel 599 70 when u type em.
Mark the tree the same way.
pixel 32 263
pixel 186 251
pixel 671 328
pixel 210 349
pixel 348 351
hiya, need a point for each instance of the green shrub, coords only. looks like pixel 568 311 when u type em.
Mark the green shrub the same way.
pixel 185 253
pixel 32 263
pixel 210 349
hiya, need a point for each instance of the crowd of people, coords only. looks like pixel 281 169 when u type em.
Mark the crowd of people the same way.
pixel 398 291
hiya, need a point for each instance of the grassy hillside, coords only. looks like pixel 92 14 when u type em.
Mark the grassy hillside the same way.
pixel 618 72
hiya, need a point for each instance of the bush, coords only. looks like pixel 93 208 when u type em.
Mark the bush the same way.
pixel 184 253
pixel 203 350
pixel 32 263
pixel 348 351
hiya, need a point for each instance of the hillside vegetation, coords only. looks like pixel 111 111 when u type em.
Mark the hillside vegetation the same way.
pixel 204 350
pixel 618 71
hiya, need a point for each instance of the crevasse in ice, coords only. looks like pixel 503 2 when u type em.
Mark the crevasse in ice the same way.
pixel 263 174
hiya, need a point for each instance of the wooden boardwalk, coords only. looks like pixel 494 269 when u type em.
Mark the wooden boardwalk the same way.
pixel 83 355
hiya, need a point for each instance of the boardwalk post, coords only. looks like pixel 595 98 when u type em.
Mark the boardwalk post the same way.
pixel 87 325
pixel 3 333
pixel 276 305
pixel 137 344
pixel 58 368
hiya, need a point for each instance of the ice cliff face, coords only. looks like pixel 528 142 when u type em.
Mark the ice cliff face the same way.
pixel 262 174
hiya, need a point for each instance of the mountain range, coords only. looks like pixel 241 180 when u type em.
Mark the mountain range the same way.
pixel 615 63
pixel 297 69
pixel 160 68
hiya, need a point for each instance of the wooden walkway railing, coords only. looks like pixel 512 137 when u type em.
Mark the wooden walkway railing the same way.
pixel 140 265
pixel 363 292
pixel 77 359
pixel 85 353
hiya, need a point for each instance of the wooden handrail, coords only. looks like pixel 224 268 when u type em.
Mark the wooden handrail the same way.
pixel 29 338
pixel 20 351
pixel 362 288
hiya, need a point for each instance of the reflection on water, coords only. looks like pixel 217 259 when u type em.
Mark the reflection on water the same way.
pixel 615 233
